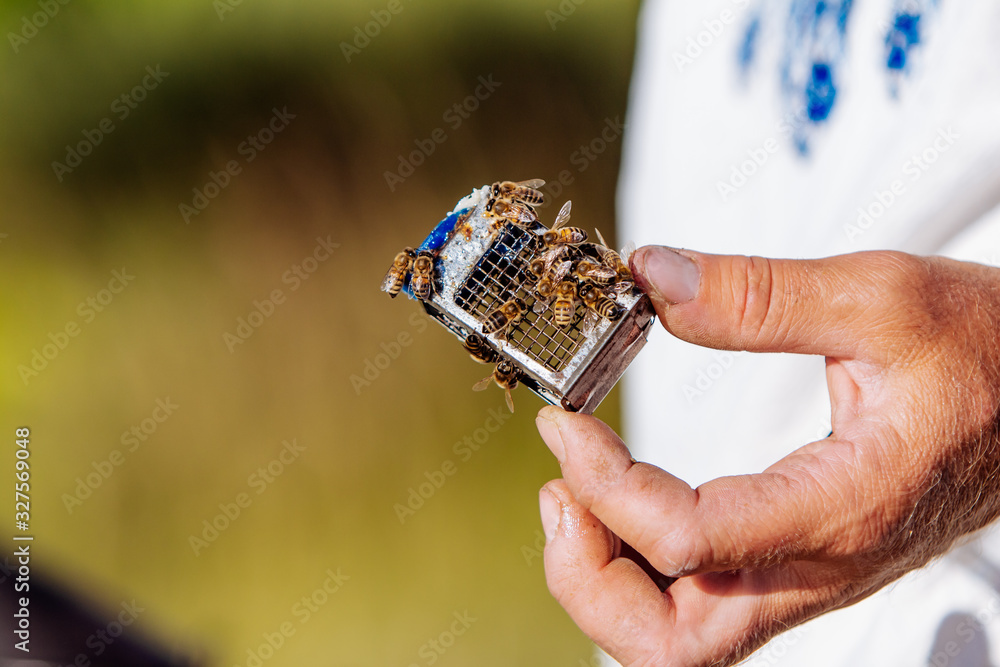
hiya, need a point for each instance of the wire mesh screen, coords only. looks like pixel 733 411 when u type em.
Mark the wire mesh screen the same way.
pixel 502 275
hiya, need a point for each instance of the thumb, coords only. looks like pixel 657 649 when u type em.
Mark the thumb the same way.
pixel 844 306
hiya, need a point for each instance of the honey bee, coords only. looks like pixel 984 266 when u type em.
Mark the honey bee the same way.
pixel 479 350
pixel 599 274
pixel 524 191
pixel 401 267
pixel 517 212
pixel 501 320
pixel 560 235
pixel 422 280
pixel 567 299
pixel 543 263
pixel 506 377
pixel 547 285
pixel 599 302
pixel 619 263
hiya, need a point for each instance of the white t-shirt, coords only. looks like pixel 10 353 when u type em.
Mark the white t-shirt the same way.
pixel 790 128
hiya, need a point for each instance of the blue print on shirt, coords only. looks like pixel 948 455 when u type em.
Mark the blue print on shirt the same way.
pixel 905 34
pixel 815 43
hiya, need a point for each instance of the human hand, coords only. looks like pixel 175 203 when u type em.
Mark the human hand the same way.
pixel 913 370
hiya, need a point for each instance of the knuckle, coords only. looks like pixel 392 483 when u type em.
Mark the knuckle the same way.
pixel 681 552
pixel 907 288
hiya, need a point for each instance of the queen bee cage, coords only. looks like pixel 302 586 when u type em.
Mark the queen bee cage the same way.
pixel 481 263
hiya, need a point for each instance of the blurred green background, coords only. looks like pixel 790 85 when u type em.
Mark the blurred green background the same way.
pixel 471 547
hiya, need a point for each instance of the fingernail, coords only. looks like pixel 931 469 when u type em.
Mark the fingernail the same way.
pixel 668 274
pixel 550 509
pixel 549 431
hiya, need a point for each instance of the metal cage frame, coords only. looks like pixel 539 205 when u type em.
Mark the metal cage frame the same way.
pixel 482 263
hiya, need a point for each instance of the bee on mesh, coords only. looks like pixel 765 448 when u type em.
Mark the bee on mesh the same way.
pixel 599 305
pixel 561 235
pixel 587 271
pixel 624 280
pixel 513 201
pixel 549 269
pixel 564 308
pixel 500 321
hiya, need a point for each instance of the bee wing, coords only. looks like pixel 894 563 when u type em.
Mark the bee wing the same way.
pixel 390 278
pixel 600 238
pixel 522 213
pixel 589 322
pixel 510 399
pixel 628 251
pixel 564 214
pixel 561 271
pixel 622 287
pixel 557 253
pixel 541 305
pixel 482 384
pixel 600 273
pixel 533 183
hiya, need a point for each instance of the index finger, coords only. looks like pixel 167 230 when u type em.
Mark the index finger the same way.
pixel 715 618
pixel 803 508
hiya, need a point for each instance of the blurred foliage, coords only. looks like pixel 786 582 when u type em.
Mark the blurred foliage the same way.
pixel 470 546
